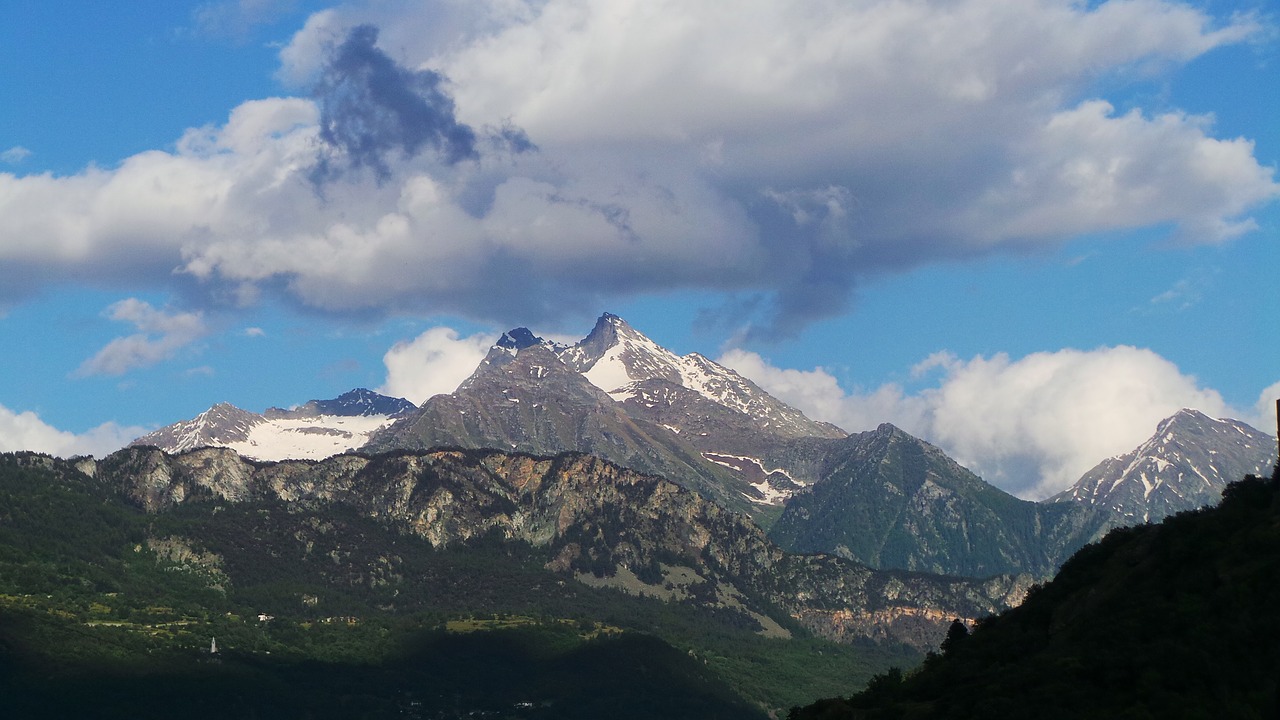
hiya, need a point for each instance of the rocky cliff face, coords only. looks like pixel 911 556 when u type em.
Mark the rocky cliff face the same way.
pixel 595 518
pixel 1184 466
pixel 890 500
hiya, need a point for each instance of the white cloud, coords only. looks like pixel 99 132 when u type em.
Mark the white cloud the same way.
pixel 435 362
pixel 26 431
pixel 236 18
pixel 1031 426
pixel 15 155
pixel 1087 170
pixel 1265 410
pixel 788 149
pixel 1183 294
pixel 160 336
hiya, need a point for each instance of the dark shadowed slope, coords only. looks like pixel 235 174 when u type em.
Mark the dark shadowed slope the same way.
pixel 1177 620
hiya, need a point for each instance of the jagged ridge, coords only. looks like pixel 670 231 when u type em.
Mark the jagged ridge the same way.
pixel 591 514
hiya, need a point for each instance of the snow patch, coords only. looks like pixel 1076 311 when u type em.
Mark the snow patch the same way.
pixel 309 438
pixel 749 466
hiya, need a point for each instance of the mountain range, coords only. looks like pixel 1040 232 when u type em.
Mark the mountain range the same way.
pixel 596 523
pixel 203 585
pixel 606 483
pixel 882 498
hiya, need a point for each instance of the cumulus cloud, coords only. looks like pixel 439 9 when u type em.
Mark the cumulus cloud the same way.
pixel 1265 410
pixel 435 362
pixel 160 335
pixel 26 431
pixel 1031 425
pixel 780 151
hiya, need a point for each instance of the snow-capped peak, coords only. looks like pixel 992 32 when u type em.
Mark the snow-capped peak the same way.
pixel 615 357
pixel 1183 466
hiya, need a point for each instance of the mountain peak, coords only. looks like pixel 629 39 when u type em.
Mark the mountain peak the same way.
pixel 518 339
pixel 353 403
pixel 885 428
pixel 1186 415
pixel 1183 466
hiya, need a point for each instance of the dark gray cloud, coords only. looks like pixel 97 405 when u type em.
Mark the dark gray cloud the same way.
pixel 371 108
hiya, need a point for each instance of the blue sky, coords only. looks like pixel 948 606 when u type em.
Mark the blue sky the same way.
pixel 1024 231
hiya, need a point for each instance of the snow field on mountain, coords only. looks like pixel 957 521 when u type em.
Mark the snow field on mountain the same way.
pixel 308 438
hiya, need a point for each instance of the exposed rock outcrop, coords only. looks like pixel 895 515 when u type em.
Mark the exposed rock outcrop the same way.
pixel 593 516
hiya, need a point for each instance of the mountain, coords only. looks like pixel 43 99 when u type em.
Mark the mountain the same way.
pixel 318 612
pixel 1170 620
pixel 728 418
pixel 353 403
pixel 891 500
pixel 523 398
pixel 618 359
pixel 620 396
pixel 881 498
pixel 594 521
pixel 315 430
pixel 1184 466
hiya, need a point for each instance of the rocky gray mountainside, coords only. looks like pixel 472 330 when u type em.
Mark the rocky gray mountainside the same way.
pixel 620 360
pixel 222 424
pixel 601 524
pixel 1184 466
pixel 315 430
pixel 524 396
pixel 890 500
pixel 620 396
pixel 728 418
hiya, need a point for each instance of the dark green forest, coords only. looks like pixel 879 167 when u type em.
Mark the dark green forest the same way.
pixel 106 611
pixel 1177 620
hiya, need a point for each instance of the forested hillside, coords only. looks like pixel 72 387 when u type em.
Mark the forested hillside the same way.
pixel 1177 620
pixel 318 611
